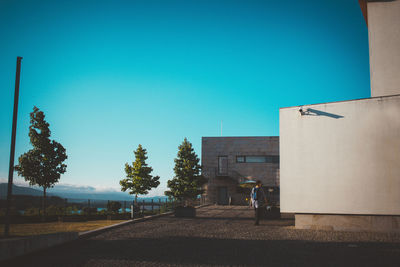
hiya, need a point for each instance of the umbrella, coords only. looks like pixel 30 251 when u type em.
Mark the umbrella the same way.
pixel 248 184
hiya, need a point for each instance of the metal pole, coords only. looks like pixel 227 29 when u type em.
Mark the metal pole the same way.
pixel 12 152
pixel 132 209
pixel 88 204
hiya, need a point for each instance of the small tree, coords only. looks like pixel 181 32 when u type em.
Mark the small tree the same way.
pixel 42 165
pixel 187 183
pixel 138 179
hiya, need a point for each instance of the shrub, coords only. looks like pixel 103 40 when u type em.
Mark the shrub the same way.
pixel 55 210
pixel 113 207
pixel 13 211
pixel 89 210
pixel 71 210
pixel 32 211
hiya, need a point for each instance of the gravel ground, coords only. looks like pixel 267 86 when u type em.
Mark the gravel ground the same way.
pixel 221 236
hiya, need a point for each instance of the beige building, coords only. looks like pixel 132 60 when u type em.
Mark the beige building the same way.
pixel 228 162
pixel 341 161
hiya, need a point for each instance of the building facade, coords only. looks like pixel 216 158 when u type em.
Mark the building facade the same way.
pixel 341 161
pixel 228 162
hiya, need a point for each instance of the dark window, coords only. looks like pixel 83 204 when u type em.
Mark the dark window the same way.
pixel 222 165
pixel 240 159
pixel 273 159
pixel 257 159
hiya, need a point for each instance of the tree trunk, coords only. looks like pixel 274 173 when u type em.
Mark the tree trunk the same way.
pixel 44 204
pixel 134 207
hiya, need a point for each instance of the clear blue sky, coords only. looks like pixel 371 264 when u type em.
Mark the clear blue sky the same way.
pixel 110 75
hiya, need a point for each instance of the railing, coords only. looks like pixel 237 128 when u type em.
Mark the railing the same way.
pixel 58 209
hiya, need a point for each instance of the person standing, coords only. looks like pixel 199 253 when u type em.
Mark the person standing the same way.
pixel 258 200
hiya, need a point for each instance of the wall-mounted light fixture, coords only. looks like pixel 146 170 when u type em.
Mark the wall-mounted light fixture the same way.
pixel 303 111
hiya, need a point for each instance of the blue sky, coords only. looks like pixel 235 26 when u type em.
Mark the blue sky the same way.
pixel 110 75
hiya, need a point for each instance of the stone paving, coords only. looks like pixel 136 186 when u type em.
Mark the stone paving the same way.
pixel 221 236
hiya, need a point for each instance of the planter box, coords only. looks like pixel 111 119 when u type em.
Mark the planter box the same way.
pixel 185 212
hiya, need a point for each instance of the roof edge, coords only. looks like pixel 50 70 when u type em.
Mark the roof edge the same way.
pixel 269 136
pixel 363 6
pixel 341 101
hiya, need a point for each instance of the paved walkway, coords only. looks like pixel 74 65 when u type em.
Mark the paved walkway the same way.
pixel 221 236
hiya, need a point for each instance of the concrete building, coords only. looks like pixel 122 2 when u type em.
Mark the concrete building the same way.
pixel 229 161
pixel 340 162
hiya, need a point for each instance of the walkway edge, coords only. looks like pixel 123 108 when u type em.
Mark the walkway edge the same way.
pixel 14 247
pixel 90 233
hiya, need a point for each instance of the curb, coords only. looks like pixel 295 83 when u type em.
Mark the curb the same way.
pixel 90 233
pixel 16 247
pixel 204 205
pixel 25 245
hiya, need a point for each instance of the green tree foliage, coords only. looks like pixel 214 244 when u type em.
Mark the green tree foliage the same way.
pixel 43 164
pixel 89 210
pixel 13 211
pixel 32 211
pixel 187 183
pixel 72 210
pixel 138 179
pixel 113 206
pixel 55 210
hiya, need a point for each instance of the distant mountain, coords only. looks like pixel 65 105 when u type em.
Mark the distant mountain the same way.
pixel 93 195
pixel 87 192
pixel 73 192
pixel 102 196
pixel 18 190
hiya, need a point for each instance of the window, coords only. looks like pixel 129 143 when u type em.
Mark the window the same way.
pixel 257 159
pixel 240 159
pixel 273 159
pixel 222 165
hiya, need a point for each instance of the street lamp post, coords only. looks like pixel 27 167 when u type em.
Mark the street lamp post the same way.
pixel 12 152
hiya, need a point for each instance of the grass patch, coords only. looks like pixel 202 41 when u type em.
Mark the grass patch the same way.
pixel 56 227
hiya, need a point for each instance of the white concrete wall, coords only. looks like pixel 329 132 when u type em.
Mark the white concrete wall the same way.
pixel 346 161
pixel 384 47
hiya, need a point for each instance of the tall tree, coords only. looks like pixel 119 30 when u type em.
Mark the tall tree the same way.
pixel 43 164
pixel 138 179
pixel 187 182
